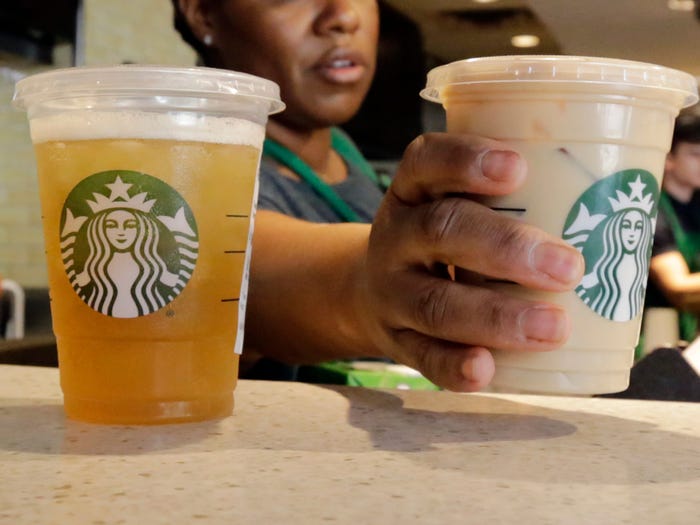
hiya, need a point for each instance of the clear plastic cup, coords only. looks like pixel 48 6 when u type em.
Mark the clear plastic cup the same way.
pixel 147 179
pixel 594 133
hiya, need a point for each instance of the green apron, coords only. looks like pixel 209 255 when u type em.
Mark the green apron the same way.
pixel 688 244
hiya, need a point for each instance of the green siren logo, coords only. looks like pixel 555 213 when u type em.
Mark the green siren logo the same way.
pixel 612 224
pixel 129 243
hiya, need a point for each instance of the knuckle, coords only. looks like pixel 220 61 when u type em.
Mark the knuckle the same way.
pixel 422 354
pixel 432 306
pixel 435 361
pixel 413 155
pixel 511 243
pixel 495 318
pixel 442 221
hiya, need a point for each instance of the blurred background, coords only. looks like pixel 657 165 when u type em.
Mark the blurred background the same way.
pixel 415 35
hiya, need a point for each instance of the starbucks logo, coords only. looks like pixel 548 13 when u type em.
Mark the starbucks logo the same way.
pixel 612 224
pixel 129 243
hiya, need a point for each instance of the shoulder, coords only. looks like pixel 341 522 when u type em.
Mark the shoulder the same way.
pixel 289 196
pixel 276 191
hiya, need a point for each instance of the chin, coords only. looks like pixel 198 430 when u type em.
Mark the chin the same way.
pixel 320 107
pixel 340 105
pixel 338 120
pixel 338 113
pixel 319 117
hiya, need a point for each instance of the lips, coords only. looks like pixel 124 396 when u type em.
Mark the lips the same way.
pixel 341 66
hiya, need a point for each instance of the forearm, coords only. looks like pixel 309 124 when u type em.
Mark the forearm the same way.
pixel 684 293
pixel 305 287
pixel 671 274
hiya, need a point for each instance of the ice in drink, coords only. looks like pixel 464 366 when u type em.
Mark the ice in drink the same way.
pixel 594 133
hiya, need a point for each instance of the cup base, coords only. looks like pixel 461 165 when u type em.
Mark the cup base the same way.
pixel 148 412
pixel 522 380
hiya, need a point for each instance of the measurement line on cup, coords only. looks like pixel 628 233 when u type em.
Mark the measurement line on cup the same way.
pixel 512 210
pixel 517 212
pixel 234 252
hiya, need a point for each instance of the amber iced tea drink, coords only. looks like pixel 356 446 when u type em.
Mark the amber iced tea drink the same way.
pixel 147 180
pixel 594 133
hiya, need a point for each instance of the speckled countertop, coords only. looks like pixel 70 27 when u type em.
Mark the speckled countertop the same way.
pixel 307 454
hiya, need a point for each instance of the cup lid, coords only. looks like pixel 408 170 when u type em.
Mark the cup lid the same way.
pixel 134 79
pixel 561 68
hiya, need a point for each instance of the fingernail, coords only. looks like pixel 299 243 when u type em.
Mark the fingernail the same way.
pixel 501 165
pixel 477 368
pixel 543 323
pixel 558 262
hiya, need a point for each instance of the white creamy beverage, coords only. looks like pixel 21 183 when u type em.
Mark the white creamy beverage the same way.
pixel 594 133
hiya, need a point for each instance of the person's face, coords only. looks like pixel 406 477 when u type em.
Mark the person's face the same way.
pixel 683 164
pixel 121 228
pixel 322 53
pixel 631 230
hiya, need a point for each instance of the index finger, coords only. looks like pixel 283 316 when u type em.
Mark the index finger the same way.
pixel 439 164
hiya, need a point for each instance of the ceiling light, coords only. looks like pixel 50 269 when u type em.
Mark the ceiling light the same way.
pixel 681 5
pixel 484 1
pixel 525 41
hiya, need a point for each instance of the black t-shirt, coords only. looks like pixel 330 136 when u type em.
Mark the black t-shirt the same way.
pixel 688 214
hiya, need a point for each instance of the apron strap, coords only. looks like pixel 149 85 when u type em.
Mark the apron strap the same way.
pixel 346 149
pixel 291 160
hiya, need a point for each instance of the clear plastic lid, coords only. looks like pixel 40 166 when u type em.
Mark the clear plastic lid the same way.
pixel 559 68
pixel 144 80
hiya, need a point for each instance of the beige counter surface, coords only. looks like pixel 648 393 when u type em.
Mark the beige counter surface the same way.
pixel 308 454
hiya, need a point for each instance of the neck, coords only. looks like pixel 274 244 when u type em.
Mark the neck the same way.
pixel 677 189
pixel 313 147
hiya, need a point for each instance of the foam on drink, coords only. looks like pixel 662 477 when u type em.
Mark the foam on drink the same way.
pixel 92 125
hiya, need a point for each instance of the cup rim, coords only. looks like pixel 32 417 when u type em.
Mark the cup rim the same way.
pixel 132 79
pixel 509 69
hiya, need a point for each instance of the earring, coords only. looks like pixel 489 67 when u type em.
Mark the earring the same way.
pixel 208 40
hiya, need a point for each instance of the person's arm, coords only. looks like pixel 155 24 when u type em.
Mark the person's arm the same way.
pixel 322 291
pixel 301 287
pixel 673 277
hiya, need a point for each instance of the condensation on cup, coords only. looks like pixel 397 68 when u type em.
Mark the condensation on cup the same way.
pixel 147 179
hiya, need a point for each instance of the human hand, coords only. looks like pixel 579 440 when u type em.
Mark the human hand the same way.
pixel 428 223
